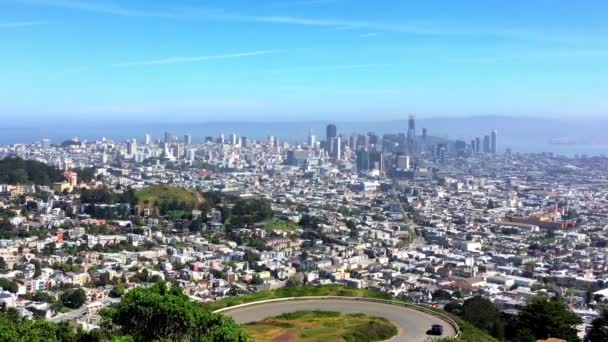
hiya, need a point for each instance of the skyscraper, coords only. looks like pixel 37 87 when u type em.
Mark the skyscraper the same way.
pixel 411 126
pixel 187 139
pixel 493 142
pixel 312 140
pixel 147 139
pixel 337 147
pixel 411 134
pixel 442 153
pixel 376 161
pixel 131 147
pixel 372 138
pixel 362 160
pixel 168 137
pixel 332 132
pixel 402 162
pixel 424 134
pixel 352 141
pixel 486 144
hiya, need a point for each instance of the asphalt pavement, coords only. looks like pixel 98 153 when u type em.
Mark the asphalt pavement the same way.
pixel 413 325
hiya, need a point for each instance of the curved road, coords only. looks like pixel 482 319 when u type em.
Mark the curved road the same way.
pixel 412 324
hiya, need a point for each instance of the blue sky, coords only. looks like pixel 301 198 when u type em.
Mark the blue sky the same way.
pixel 302 59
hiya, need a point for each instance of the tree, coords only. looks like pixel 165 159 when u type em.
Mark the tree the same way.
pixel 19 171
pixel 442 295
pixel 37 269
pixel 599 328
pixel 16 329
pixel 41 296
pixel 491 204
pixel 117 291
pixel 250 211
pixel 309 221
pixel 453 308
pixel 195 225
pixel 163 312
pixel 257 280
pixel 2 265
pixel 483 314
pixel 295 280
pixel 73 298
pixel 86 174
pixel 8 285
pixel 545 318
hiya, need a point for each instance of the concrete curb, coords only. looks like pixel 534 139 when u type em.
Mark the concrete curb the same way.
pixel 423 309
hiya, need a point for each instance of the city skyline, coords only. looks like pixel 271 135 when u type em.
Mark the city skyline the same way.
pixel 302 59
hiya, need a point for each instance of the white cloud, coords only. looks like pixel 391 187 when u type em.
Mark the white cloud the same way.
pixel 21 24
pixel 326 68
pixel 99 7
pixel 295 3
pixel 430 28
pixel 193 59
pixel 368 35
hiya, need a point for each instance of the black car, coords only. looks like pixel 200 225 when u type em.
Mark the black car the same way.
pixel 437 329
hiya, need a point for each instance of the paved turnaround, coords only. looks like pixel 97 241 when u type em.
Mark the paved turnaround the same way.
pixel 412 324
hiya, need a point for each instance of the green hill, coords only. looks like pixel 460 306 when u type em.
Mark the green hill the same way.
pixel 19 171
pixel 164 199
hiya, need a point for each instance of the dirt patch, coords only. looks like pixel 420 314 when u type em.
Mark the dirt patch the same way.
pixel 288 336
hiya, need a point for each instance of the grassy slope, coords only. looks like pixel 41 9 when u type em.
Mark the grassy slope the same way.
pixel 469 333
pixel 308 326
pixel 167 194
pixel 279 224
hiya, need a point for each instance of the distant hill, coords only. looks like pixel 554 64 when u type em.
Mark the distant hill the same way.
pixel 163 198
pixel 69 143
pixel 19 171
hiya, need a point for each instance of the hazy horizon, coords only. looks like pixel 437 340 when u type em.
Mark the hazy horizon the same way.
pixel 528 135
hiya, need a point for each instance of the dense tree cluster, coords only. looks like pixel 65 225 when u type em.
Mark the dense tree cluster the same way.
pixel 544 318
pixel 599 328
pixel 442 295
pixel 16 329
pixel 9 285
pixel 106 196
pixel 484 315
pixel 104 203
pixel 249 211
pixel 173 207
pixel 310 221
pixel 19 171
pixel 541 318
pixel 162 311
pixel 73 298
pixel 86 174
pixel 8 231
